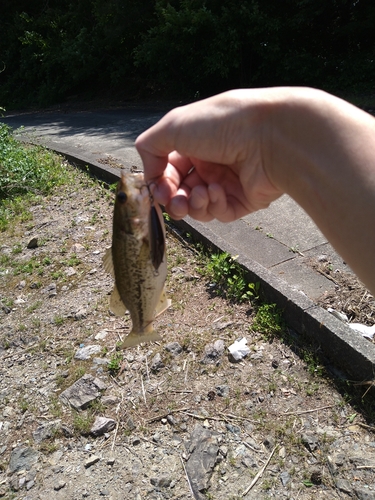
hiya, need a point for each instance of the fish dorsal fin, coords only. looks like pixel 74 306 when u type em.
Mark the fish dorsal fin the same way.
pixel 108 262
pixel 163 304
pixel 116 305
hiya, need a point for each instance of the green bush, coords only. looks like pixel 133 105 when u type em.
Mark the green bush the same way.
pixel 230 278
pixel 25 171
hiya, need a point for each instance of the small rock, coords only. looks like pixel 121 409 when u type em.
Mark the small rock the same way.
pixel 99 384
pixel 110 400
pixel 70 271
pixel 248 461
pixel 46 430
pixel 102 425
pixel 59 486
pixel 130 425
pixel 156 363
pixel 67 432
pixel 156 437
pixel 364 494
pixel 203 446
pixel 285 478
pixel 174 348
pixel 136 441
pixel 85 353
pixel 30 484
pixel 171 420
pixel 50 290
pixel 80 314
pixel 161 482
pixel 83 392
pixel 91 461
pixel 213 353
pixel 77 248
pixel 22 458
pixel 8 412
pixel 222 390
pixel 234 429
pixel 310 441
pixel 344 486
pixel 223 450
pixel 33 243
pixel 101 335
pixel 100 361
pixel 14 483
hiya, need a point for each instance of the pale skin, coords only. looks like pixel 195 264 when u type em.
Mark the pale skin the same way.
pixel 235 153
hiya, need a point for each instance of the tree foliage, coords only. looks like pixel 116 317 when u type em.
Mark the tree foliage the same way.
pixel 52 49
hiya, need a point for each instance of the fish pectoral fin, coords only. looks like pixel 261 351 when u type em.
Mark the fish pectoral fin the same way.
pixel 163 304
pixel 108 262
pixel 135 338
pixel 116 305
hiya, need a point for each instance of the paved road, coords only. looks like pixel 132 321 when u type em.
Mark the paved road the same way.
pixel 275 238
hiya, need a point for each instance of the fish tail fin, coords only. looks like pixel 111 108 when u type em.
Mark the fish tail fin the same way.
pixel 134 338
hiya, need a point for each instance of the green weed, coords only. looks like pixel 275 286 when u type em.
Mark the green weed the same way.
pixel 26 173
pixel 82 422
pixel 114 364
pixel 268 320
pixel 230 278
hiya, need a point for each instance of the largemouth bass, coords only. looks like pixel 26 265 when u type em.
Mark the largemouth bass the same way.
pixel 137 258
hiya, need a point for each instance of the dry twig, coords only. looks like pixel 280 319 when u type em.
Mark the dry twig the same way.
pixel 260 473
pixel 187 478
pixel 159 417
pixel 307 411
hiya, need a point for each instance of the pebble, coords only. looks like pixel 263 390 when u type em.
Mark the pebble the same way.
pixel 91 461
pixel 59 486
pixel 85 353
pixel 174 348
pixel 102 425
pixel 285 478
pixel 161 482
pixel 222 390
pixel 156 363
pixel 213 353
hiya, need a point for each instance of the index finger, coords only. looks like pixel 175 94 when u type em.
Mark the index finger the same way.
pixel 154 146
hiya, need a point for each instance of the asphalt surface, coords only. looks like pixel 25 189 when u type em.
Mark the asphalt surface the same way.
pixel 275 245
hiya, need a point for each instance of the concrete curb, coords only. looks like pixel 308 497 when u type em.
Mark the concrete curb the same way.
pixel 345 349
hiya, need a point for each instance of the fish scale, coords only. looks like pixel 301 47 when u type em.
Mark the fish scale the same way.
pixel 139 287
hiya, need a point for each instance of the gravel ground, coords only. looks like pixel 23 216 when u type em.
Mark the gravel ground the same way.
pixel 171 420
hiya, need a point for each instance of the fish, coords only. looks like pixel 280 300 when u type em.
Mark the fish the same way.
pixel 137 258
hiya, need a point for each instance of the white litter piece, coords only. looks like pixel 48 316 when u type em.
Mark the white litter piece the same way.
pixel 239 349
pixel 338 315
pixel 364 330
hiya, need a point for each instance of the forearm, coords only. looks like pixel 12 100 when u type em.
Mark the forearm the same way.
pixel 322 153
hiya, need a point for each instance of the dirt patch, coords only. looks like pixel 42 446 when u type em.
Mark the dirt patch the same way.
pixel 350 297
pixel 274 422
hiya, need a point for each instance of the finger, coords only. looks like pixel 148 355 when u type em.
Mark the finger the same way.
pixel 198 204
pixel 178 206
pixel 219 207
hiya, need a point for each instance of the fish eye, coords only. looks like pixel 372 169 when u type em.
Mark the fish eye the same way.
pixel 122 197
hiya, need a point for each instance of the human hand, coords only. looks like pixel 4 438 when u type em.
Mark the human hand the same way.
pixel 207 159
